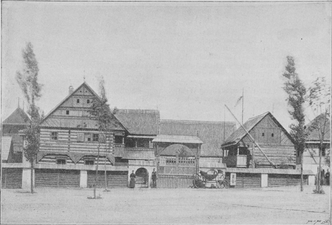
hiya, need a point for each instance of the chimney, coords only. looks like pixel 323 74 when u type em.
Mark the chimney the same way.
pixel 71 89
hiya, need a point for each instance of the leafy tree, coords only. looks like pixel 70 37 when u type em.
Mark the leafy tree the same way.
pixel 296 92
pixel 101 112
pixel 319 100
pixel 31 88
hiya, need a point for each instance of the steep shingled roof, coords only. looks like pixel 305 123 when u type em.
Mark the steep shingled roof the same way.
pixel 210 132
pixel 139 121
pixel 240 133
pixel 80 122
pixel 237 135
pixel 18 117
pixel 314 133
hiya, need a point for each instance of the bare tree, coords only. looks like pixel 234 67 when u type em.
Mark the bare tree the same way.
pixel 319 100
pixel 31 88
pixel 101 112
pixel 296 92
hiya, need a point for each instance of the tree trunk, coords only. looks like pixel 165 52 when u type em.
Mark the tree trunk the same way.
pixel 319 167
pixel 95 186
pixel 301 157
pixel 31 177
pixel 105 173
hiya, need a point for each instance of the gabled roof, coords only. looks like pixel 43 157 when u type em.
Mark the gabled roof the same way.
pixel 240 133
pixel 77 122
pixel 18 117
pixel 211 133
pixel 138 121
pixel 314 133
pixel 83 84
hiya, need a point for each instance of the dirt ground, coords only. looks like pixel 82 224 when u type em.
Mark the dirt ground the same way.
pixel 286 205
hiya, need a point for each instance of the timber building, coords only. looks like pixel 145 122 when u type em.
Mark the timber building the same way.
pixel 140 141
pixel 261 153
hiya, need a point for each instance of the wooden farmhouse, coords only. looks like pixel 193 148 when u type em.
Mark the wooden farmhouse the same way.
pixel 266 157
pixel 311 153
pixel 69 142
pixel 139 141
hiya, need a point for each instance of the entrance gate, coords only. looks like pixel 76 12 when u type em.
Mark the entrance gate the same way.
pixel 142 178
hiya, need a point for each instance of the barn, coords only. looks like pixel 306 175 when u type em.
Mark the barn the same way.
pixel 261 154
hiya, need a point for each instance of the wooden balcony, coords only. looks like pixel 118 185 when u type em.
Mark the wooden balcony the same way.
pixel 235 161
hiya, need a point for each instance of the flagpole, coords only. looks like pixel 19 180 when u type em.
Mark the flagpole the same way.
pixel 242 103
pixel 224 123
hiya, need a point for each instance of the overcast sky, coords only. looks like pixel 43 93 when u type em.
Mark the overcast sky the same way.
pixel 185 59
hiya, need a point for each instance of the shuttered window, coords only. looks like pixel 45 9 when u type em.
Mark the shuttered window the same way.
pixel 95 137
pixel 54 135
pixel 80 137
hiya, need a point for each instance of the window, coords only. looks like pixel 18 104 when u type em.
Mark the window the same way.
pixel 61 161
pixel 130 143
pixel 89 162
pixel 95 137
pixel 118 139
pixel 323 152
pixel 272 135
pixel 170 161
pixel 78 101
pixel 88 101
pixel 263 134
pixel 87 137
pixel 67 112
pixel 54 135
pixel 142 143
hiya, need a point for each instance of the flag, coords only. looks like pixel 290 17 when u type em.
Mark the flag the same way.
pixel 237 102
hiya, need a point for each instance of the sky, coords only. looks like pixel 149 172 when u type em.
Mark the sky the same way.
pixel 186 59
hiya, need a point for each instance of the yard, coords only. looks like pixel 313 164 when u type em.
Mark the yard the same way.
pixel 284 205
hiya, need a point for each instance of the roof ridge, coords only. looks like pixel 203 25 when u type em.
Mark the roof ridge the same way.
pixel 139 110
pixel 197 121
pixel 254 117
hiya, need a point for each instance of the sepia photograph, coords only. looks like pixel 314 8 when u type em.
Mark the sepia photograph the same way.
pixel 165 112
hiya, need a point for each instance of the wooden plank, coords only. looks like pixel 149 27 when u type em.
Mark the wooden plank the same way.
pixel 11 178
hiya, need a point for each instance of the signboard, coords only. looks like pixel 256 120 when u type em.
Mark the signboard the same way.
pixel 233 179
pixel 25 143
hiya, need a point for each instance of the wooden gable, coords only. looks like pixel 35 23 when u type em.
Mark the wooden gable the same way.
pixel 268 131
pixel 73 111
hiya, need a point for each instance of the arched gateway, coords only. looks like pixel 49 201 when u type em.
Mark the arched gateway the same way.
pixel 177 158
pixel 142 178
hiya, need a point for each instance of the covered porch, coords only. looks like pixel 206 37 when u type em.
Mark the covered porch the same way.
pixel 237 156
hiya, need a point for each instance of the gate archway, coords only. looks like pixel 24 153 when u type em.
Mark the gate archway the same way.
pixel 142 178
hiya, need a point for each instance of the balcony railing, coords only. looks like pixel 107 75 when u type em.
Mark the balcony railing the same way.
pixel 235 161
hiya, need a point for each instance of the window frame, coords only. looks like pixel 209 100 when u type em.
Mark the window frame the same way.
pixel 89 160
pixel 54 135
pixel 95 137
pixel 61 159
